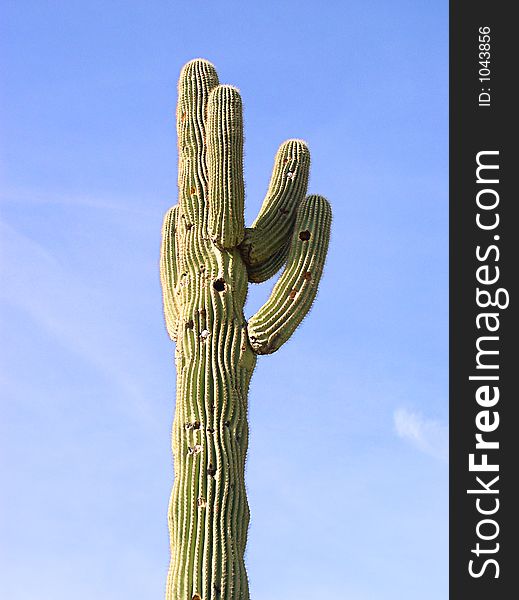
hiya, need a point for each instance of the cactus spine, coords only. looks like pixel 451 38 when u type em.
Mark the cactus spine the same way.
pixel 207 259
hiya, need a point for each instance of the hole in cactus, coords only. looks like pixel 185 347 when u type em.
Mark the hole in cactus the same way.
pixel 219 285
pixel 202 267
pixel 201 502
pixel 284 211
pixel 285 161
pixel 308 276
pixel 305 235
pixel 216 589
pixel 211 471
pixel 227 423
pixel 292 294
pixel 196 425
pixel 193 189
pixel 210 430
pixel 189 324
pixel 188 425
pixel 189 225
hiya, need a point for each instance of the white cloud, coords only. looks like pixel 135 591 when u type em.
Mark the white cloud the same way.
pixel 429 436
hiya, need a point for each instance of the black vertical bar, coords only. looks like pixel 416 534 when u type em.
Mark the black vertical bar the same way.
pixel 483 521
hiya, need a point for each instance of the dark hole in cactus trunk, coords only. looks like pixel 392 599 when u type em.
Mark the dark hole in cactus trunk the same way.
pixel 304 235
pixel 219 285
pixel 196 425
pixel 292 294
pixel 308 276
pixel 189 324
pixel 211 471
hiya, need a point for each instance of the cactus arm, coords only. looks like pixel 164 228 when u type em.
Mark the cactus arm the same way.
pixel 225 166
pixel 197 79
pixel 169 271
pixel 273 226
pixel 296 289
pixel 265 270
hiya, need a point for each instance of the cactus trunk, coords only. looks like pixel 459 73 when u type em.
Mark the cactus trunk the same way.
pixel 207 259
pixel 208 513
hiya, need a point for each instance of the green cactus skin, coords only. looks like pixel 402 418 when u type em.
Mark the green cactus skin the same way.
pixel 207 259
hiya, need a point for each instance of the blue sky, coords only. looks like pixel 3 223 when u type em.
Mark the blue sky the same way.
pixel 347 468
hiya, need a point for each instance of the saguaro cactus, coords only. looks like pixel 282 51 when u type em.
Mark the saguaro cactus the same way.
pixel 207 258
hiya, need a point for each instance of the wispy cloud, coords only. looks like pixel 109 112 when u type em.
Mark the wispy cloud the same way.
pixel 429 436
pixel 70 311
pixel 35 197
